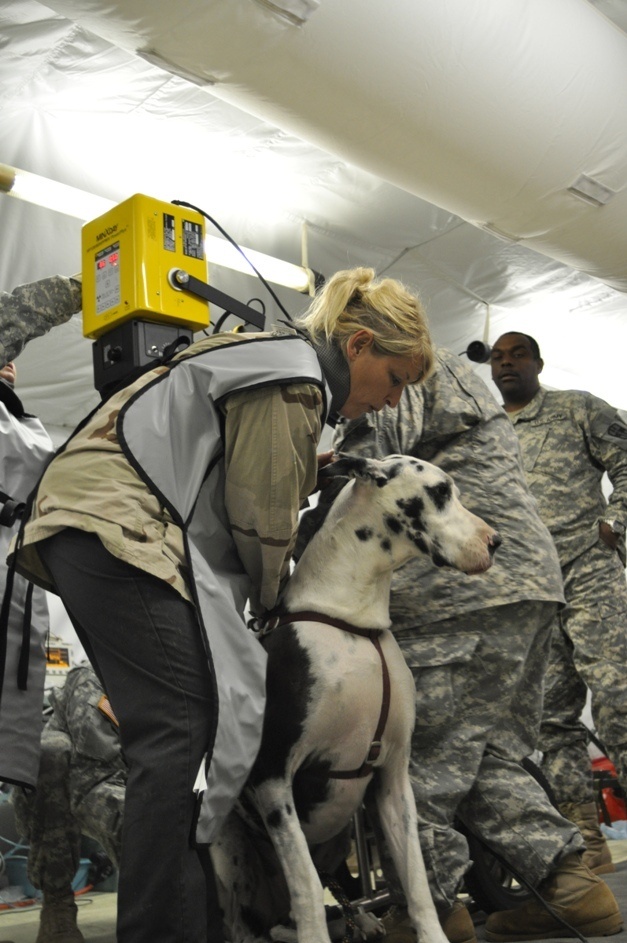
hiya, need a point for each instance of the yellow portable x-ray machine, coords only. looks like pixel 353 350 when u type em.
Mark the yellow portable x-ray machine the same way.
pixel 132 305
pixel 128 254
pixel 145 285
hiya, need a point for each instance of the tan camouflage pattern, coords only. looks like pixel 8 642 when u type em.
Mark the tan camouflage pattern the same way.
pixel 271 466
pixel 32 310
pixel 80 788
pixel 568 439
pixel 477 646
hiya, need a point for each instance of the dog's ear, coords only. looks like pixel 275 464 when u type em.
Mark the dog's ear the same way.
pixel 355 466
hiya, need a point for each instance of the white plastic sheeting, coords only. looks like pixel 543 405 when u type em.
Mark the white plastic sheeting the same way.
pixel 492 110
pixel 83 111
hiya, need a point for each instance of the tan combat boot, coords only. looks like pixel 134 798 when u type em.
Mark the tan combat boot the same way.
pixel 57 923
pixel 456 923
pixel 576 895
pixel 584 815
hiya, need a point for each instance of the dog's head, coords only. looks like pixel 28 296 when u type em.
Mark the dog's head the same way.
pixel 408 507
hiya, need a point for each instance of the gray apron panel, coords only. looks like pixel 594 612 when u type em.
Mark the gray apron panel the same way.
pixel 171 432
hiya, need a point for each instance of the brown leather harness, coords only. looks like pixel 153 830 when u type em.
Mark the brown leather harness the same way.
pixel 373 634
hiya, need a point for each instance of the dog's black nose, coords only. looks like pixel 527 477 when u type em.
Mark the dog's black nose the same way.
pixel 494 543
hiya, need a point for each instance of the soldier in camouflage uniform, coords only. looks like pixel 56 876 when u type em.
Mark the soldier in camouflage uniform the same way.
pixel 569 439
pixel 477 648
pixel 32 310
pixel 80 791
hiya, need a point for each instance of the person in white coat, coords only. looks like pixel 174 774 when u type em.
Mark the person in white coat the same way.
pixel 25 447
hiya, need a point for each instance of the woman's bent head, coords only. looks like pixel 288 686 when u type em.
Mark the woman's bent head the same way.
pixel 382 330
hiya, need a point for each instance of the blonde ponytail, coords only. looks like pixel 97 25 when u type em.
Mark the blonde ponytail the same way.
pixel 353 300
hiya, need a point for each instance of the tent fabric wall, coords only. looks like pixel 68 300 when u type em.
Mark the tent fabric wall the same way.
pixel 83 111
pixel 490 111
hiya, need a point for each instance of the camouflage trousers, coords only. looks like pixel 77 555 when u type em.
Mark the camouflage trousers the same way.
pixel 478 698
pixel 74 797
pixel 588 652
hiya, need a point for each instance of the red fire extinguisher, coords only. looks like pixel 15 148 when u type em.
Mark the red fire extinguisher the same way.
pixel 610 795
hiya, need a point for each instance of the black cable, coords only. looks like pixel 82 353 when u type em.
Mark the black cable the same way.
pixel 521 880
pixel 239 249
pixel 221 321
pixel 346 907
pixel 226 314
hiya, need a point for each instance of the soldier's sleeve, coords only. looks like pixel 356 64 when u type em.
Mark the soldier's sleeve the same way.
pixel 608 446
pixel 271 439
pixel 32 310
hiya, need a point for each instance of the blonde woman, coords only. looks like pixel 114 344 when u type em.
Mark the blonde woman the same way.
pixel 175 505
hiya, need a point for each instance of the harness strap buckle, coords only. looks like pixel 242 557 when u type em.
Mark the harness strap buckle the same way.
pixel 265 627
pixel 374 751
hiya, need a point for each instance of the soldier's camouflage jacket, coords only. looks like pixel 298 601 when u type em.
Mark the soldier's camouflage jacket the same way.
pixel 568 439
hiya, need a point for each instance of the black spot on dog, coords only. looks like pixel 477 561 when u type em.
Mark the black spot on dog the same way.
pixel 289 682
pixel 310 787
pixel 413 508
pixel 253 920
pixel 288 809
pixel 437 556
pixel 394 470
pixel 440 494
pixel 393 523
pixel 417 538
pixel 364 533
pixel 275 818
pixel 386 544
pixel 439 560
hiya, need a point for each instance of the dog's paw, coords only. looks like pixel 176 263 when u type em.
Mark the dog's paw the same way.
pixel 284 934
pixel 367 927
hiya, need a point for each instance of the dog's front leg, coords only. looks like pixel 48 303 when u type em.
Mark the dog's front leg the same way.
pixel 276 804
pixel 399 822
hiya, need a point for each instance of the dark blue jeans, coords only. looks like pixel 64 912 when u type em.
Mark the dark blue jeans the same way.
pixel 145 643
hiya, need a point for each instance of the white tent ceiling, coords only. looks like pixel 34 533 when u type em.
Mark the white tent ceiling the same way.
pixel 270 147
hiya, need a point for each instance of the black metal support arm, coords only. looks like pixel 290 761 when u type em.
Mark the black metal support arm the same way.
pixel 183 281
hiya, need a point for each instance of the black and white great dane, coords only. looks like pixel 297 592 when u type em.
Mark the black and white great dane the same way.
pixel 341 700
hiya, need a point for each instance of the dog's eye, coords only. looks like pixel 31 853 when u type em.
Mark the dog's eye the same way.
pixel 440 494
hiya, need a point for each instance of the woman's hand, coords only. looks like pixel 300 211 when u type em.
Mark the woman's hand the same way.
pixel 324 459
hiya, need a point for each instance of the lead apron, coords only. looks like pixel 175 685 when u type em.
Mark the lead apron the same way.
pixel 24 450
pixel 171 433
